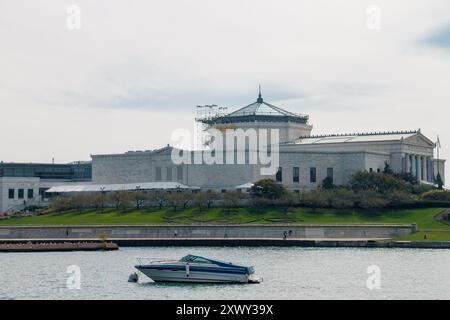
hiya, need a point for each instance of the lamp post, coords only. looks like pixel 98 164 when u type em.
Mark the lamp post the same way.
pixel 102 190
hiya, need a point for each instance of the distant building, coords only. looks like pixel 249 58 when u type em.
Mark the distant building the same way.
pixel 305 160
pixel 25 184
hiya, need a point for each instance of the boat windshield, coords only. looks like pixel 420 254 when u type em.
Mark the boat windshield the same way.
pixel 191 258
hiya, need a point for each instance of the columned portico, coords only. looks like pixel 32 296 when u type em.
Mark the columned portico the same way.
pixel 406 165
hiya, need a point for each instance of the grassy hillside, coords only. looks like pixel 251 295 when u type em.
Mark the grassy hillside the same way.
pixel 423 217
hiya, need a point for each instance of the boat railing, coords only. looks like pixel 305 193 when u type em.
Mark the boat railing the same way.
pixel 147 261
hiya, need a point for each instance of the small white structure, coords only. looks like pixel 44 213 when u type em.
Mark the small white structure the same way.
pixel 169 185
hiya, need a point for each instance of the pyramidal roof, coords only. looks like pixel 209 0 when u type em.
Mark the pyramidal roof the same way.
pixel 258 111
pixel 261 108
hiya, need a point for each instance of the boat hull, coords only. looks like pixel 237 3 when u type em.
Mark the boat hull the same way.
pixel 193 276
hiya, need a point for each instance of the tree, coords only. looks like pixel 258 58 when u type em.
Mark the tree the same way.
pixel 314 199
pixel 60 204
pixel 341 198
pixel 178 199
pixel 399 198
pixel 268 188
pixel 286 201
pixel 121 199
pixel 379 182
pixel 232 198
pixel 439 181
pixel 206 199
pixel 139 198
pixel 260 203
pixel 387 168
pixel 369 199
pixel 436 195
pixel 160 197
pixel 327 183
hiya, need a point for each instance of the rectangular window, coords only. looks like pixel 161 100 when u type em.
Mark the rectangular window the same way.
pixel 30 194
pixel 371 170
pixel 279 175
pixel 21 194
pixel 42 192
pixel 11 193
pixel 180 173
pixel 312 175
pixel 330 173
pixel 158 174
pixel 296 174
pixel 169 174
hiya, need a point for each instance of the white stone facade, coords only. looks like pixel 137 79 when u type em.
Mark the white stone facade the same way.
pixel 341 159
pixel 18 192
pixel 312 157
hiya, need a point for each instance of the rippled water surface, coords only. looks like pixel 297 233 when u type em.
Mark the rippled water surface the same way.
pixel 289 273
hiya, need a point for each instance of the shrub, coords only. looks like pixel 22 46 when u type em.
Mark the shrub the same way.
pixel 421 188
pixel 268 188
pixel 436 195
pixel 206 199
pixel 341 198
pixel 286 201
pixel 399 198
pixel 370 199
pixel 379 182
pixel 260 203
pixel 327 183
pixel 232 198
pixel 314 199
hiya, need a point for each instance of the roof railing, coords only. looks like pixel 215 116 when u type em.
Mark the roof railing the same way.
pixel 359 134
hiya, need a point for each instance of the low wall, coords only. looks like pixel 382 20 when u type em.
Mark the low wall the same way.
pixel 210 232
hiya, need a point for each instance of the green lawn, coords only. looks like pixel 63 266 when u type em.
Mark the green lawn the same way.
pixel 427 236
pixel 423 217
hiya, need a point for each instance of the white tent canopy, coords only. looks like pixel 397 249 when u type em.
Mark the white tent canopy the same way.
pixel 247 185
pixel 120 187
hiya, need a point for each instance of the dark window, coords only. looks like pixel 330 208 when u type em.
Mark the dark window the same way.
pixel 279 175
pixel 21 194
pixel 75 171
pixel 296 174
pixel 313 175
pixel 158 174
pixel 42 191
pixel 330 173
pixel 11 193
pixel 180 173
pixel 169 174
pixel 30 194
pixel 371 170
pixel 378 170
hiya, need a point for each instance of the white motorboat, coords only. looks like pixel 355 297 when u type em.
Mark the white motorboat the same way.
pixel 197 269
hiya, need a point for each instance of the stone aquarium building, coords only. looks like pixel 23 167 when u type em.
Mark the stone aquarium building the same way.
pixel 305 160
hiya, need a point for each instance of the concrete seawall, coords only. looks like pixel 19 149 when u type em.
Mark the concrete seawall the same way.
pixel 273 231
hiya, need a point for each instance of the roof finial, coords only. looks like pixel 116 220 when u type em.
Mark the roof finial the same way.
pixel 260 99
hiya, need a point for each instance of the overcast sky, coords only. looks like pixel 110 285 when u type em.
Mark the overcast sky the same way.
pixel 135 70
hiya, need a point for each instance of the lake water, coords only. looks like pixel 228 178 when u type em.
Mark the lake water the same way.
pixel 289 273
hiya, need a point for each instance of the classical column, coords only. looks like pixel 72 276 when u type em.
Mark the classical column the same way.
pixel 433 177
pixel 422 168
pixel 406 163
pixel 416 166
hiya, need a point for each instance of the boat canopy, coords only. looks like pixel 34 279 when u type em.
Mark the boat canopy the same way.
pixel 198 259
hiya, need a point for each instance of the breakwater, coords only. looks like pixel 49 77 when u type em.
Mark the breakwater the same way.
pixel 272 231
pixel 55 246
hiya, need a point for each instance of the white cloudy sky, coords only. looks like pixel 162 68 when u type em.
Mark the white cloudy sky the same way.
pixel 135 70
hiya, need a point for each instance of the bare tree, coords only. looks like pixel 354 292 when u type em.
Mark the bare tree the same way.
pixel 232 198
